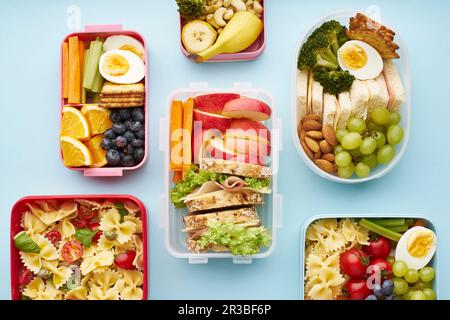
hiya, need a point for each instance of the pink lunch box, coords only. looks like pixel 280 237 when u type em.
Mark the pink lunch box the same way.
pixel 251 53
pixel 19 209
pixel 90 33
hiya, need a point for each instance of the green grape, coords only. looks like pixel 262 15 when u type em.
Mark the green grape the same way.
pixel 356 125
pixel 368 146
pixel 400 286
pixel 380 115
pixel 343 159
pixel 422 285
pixel 356 153
pixel 346 172
pixel 400 268
pixel 429 294
pixel 373 127
pixel 426 274
pixel 417 295
pixel 338 149
pixel 371 160
pixel 412 276
pixel 408 294
pixel 340 133
pixel 394 118
pixel 391 259
pixel 351 140
pixel 385 154
pixel 395 134
pixel 380 139
pixel 362 170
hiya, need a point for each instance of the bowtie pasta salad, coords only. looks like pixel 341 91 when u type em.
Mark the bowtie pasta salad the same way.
pixel 81 250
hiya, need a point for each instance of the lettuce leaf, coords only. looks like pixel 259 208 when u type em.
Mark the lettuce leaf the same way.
pixel 239 239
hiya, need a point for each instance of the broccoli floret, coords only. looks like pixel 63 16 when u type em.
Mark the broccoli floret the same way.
pixel 334 82
pixel 191 9
pixel 335 32
pixel 317 53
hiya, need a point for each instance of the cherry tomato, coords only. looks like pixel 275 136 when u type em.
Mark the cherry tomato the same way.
pixel 94 227
pixel 354 263
pixel 72 251
pixel 54 237
pixel 357 289
pixel 381 266
pixel 25 277
pixel 125 260
pixel 79 222
pixel 86 213
pixel 378 248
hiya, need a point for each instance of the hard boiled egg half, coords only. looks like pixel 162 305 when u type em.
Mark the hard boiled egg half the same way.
pixel 124 43
pixel 122 67
pixel 416 247
pixel 360 59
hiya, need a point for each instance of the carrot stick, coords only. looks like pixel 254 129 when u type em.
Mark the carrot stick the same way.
pixel 74 71
pixel 65 70
pixel 176 136
pixel 177 176
pixel 188 113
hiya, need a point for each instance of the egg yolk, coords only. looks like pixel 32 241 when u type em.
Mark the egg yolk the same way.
pixel 131 48
pixel 353 56
pixel 420 243
pixel 116 65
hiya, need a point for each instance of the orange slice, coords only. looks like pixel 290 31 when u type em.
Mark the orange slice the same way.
pixel 75 153
pixel 97 117
pixel 74 124
pixel 97 153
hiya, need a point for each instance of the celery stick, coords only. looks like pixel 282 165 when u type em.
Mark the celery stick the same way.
pixel 382 231
pixel 83 89
pixel 409 222
pixel 92 67
pixel 98 81
pixel 96 98
pixel 399 228
pixel 389 222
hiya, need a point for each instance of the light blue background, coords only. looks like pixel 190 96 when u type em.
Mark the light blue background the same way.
pixel 30 36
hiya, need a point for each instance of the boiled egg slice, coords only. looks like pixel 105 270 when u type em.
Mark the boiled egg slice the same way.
pixel 122 67
pixel 360 59
pixel 416 247
pixel 124 43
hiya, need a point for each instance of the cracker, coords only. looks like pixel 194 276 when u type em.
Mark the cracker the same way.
pixel 121 105
pixel 121 100
pixel 131 95
pixel 112 88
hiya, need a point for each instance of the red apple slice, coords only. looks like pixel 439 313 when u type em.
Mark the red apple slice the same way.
pixel 215 148
pixel 252 146
pixel 212 120
pixel 248 108
pixel 246 128
pixel 213 103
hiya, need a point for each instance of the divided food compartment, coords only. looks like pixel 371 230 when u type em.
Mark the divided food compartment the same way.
pixel 19 209
pixel 403 67
pixel 270 213
pixel 91 32
pixel 251 53
pixel 434 262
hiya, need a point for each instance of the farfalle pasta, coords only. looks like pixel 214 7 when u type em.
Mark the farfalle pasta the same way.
pixel 80 250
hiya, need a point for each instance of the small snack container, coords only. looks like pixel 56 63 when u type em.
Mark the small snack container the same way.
pixel 434 263
pixel 270 213
pixel 251 53
pixel 17 217
pixel 90 33
pixel 403 67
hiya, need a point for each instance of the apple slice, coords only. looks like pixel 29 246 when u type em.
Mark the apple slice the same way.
pixel 214 103
pixel 248 108
pixel 215 148
pixel 254 146
pixel 212 120
pixel 246 128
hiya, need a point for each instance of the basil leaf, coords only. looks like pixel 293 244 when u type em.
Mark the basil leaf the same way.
pixel 24 243
pixel 85 236
pixel 122 211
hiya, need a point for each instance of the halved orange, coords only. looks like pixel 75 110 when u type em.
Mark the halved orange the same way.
pixel 74 124
pixel 97 152
pixel 75 153
pixel 97 117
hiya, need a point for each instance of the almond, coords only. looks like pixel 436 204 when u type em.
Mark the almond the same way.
pixel 314 117
pixel 308 152
pixel 325 147
pixel 316 135
pixel 329 157
pixel 303 135
pixel 299 129
pixel 325 165
pixel 311 125
pixel 329 135
pixel 312 144
pixel 317 155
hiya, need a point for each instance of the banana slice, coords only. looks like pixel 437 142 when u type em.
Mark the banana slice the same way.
pixel 198 36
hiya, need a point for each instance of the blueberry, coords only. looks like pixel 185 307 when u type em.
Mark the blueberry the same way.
pixel 390 297
pixel 119 128
pixel 106 144
pixel 139 154
pixel 387 287
pixel 129 135
pixel 110 134
pixel 138 114
pixel 128 161
pixel 115 116
pixel 113 157
pixel 125 114
pixel 371 297
pixel 121 142
pixel 140 134
pixel 137 143
pixel 128 123
pixel 135 126
pixel 128 149
pixel 377 291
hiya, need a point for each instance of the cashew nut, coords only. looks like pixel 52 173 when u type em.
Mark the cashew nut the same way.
pixel 257 7
pixel 249 4
pixel 219 17
pixel 239 5
pixel 210 19
pixel 219 31
pixel 226 3
pixel 213 8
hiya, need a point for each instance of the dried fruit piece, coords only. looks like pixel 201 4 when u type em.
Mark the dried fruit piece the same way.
pixel 316 135
pixel 329 157
pixel 312 144
pixel 325 147
pixel 311 125
pixel 329 135
pixel 325 165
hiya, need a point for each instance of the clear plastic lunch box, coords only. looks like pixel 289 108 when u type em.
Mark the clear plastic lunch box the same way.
pixel 434 262
pixel 19 209
pixel 91 32
pixel 251 53
pixel 172 219
pixel 405 74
